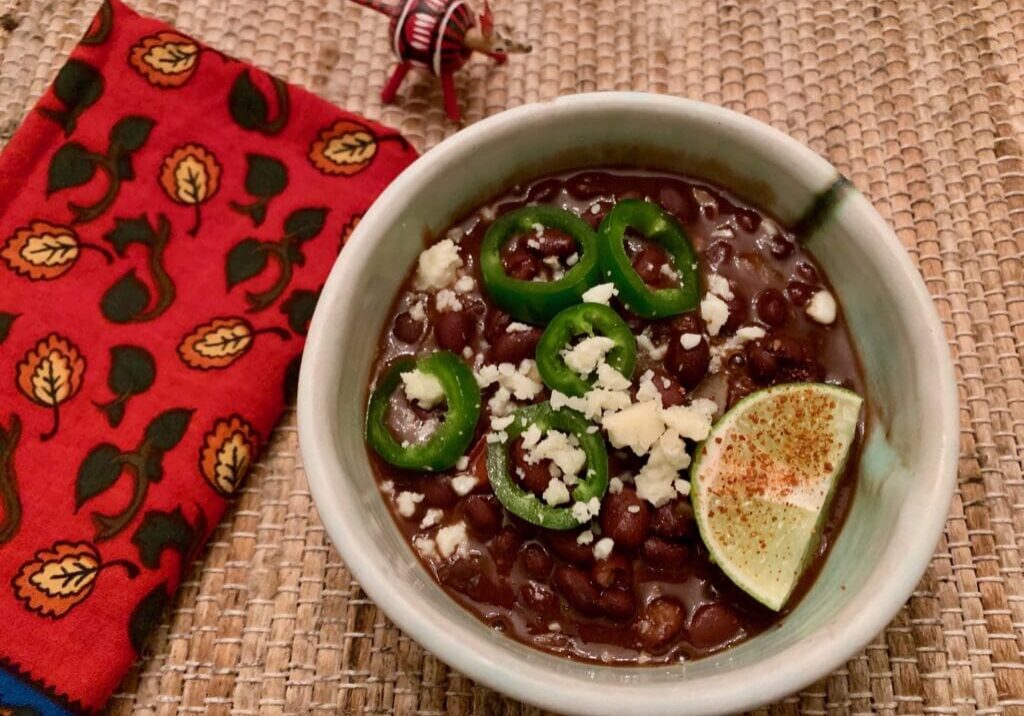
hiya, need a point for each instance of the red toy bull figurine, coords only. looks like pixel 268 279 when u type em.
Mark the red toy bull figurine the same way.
pixel 440 36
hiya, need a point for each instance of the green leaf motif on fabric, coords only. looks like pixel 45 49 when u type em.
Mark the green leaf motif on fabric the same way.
pixel 246 259
pixel 97 473
pixel 6 323
pixel 161 531
pixel 78 86
pixel 126 299
pixel 265 178
pixel 250 107
pixel 130 300
pixel 71 166
pixel 132 371
pixel 105 464
pixel 299 309
pixel 146 615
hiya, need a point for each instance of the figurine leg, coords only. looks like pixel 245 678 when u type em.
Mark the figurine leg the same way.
pixel 451 101
pixel 387 95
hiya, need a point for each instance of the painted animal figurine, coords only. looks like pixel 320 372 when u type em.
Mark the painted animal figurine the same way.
pixel 440 36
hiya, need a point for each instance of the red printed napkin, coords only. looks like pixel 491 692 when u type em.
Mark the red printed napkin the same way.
pixel 167 217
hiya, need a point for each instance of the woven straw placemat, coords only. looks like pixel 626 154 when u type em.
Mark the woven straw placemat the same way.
pixel 919 102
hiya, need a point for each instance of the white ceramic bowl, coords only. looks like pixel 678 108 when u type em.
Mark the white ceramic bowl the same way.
pixel 908 468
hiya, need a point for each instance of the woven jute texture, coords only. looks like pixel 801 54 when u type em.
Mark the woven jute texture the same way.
pixel 919 102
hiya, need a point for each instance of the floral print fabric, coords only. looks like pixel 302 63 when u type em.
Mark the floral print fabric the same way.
pixel 167 218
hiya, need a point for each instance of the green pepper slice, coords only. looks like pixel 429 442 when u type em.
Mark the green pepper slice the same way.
pixel 455 433
pixel 538 301
pixel 656 225
pixel 578 320
pixel 527 505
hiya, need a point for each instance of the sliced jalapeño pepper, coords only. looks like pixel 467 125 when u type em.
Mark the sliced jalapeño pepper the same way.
pixel 657 226
pixel 538 301
pixel 583 319
pixel 451 438
pixel 594 483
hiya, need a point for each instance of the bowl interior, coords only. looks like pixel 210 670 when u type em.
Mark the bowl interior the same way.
pixel 906 471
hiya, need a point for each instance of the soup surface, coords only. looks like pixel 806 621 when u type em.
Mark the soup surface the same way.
pixel 636 584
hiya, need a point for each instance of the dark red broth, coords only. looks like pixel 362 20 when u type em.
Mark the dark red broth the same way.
pixel 658 598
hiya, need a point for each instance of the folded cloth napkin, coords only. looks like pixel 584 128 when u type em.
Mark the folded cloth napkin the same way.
pixel 167 217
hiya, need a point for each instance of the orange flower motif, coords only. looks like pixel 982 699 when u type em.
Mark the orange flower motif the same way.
pixel 51 374
pixel 61 577
pixel 166 59
pixel 216 344
pixel 41 251
pixel 228 451
pixel 345 148
pixel 190 175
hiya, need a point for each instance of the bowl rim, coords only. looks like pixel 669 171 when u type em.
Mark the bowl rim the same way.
pixel 775 677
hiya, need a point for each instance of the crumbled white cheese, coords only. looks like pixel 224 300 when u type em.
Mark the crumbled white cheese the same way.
pixel 465 284
pixel 749 333
pixel 387 487
pixel 822 307
pixel 559 448
pixel 501 402
pixel 446 300
pixel 462 463
pixel 615 485
pixel 586 511
pixel 425 546
pixel 656 352
pixel 498 437
pixel 595 208
pixel 437 266
pixel 556 493
pixel 463 484
pixel 522 381
pixel 432 518
pixel 743 335
pixel 407 502
pixel 516 327
pixel 555 627
pixel 715 313
pixel 682 487
pixel 693 421
pixel 572 259
pixel 585 537
pixel 636 427
pixel 416 311
pixel 655 481
pixel 584 357
pixel 648 390
pixel 689 341
pixel 603 548
pixel 608 377
pixel 500 423
pixel 538 229
pixel 601 293
pixel 452 539
pixel 552 262
pixel 422 387
pixel 531 436
pixel 467 352
pixel 456 234
pixel 633 509
pixel 719 285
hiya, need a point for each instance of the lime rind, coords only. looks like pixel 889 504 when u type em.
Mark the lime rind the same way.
pixel 763 481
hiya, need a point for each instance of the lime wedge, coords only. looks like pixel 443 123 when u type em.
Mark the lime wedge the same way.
pixel 762 482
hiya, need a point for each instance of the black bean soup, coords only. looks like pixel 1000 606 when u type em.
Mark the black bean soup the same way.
pixel 656 597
